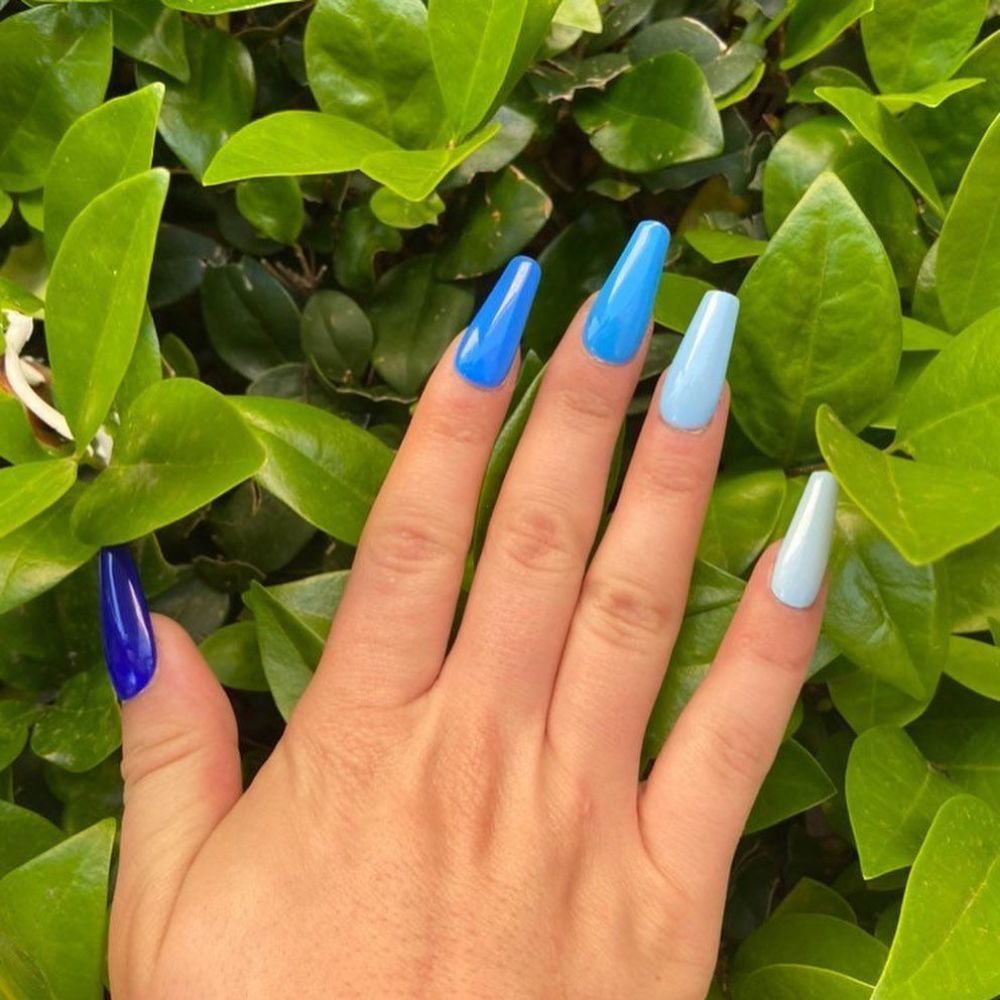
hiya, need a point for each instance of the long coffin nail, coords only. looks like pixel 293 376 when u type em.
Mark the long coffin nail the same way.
pixel 621 313
pixel 801 563
pixel 129 646
pixel 490 343
pixel 696 376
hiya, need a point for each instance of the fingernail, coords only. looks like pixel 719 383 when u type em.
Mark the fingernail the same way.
pixel 801 563
pixel 490 343
pixel 621 313
pixel 696 375
pixel 129 646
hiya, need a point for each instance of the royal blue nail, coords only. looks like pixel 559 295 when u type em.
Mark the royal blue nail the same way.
pixel 129 646
pixel 622 311
pixel 801 564
pixel 694 381
pixel 489 345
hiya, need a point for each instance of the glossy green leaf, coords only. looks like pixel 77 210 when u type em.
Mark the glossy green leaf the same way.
pixel 498 224
pixel 801 982
pixel 181 445
pixel 234 656
pixel 975 665
pixel 677 300
pixel 793 353
pixel 975 574
pixel 273 206
pixel 719 247
pixel 104 147
pixel 929 97
pixel 909 47
pixel 814 24
pixel 55 61
pixel 370 61
pixel 968 261
pixel 887 135
pixel 415 316
pixel 926 510
pixel 325 468
pixel 53 908
pixel 865 700
pixel 951 906
pixel 202 112
pixel 472 44
pixel 151 34
pixel 23 835
pixel 393 210
pixel 220 6
pixel 795 783
pixel 26 490
pixel 658 113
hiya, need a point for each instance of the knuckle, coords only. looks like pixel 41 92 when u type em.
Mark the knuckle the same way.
pixel 737 752
pixel 411 541
pixel 539 536
pixel 157 753
pixel 673 476
pixel 625 613
pixel 586 403
pixel 460 422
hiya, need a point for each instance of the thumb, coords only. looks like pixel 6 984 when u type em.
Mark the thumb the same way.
pixel 180 760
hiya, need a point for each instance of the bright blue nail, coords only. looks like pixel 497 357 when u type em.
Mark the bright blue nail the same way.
pixel 801 563
pixel 621 313
pixel 694 382
pixel 489 345
pixel 129 646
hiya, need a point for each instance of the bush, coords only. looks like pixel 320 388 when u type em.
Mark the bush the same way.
pixel 235 338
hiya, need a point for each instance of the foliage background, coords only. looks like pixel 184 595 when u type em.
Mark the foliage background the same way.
pixel 836 162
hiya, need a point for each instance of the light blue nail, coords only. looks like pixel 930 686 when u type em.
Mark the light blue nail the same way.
pixel 694 382
pixel 801 563
pixel 490 343
pixel 621 313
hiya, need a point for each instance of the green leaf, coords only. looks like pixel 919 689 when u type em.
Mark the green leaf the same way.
pixel 919 336
pixel 910 47
pixel 394 210
pixel 53 908
pixel 23 836
pixel 800 982
pixel 975 665
pixel 151 34
pixel 201 113
pixel 273 206
pixel 472 44
pixel 502 218
pixel 337 337
pixel 814 24
pixel 415 316
pixel 55 61
pixel 793 353
pixel 968 261
pixel 658 113
pixel 26 490
pixel 677 300
pixel 6 207
pixel 803 91
pixel 96 297
pixel 795 783
pixel 181 445
pixel 925 510
pixel 950 911
pixel 289 649
pixel 719 247
pixel 370 61
pixel 865 700
pixel 951 416
pixel 16 719
pixel 325 468
pixel 582 14
pixel 929 97
pixel 82 727
pixel 362 238
pixel 975 575
pixel 893 795
pixel 17 437
pixel 252 322
pixel 810 896
pixel 234 656
pixel 99 150
pixel 220 6
pixel 887 135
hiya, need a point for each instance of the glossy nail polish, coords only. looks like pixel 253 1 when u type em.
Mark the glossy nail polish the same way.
pixel 129 646
pixel 801 564
pixel 622 311
pixel 694 381
pixel 490 343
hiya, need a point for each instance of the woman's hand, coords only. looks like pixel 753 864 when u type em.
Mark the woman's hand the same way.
pixel 465 819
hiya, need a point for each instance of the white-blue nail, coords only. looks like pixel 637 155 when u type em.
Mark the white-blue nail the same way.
pixel 801 564
pixel 694 382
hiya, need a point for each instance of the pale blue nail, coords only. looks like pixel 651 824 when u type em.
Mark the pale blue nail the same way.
pixel 490 343
pixel 801 564
pixel 694 382
pixel 621 313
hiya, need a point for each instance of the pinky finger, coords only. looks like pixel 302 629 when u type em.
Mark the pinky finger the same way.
pixel 697 799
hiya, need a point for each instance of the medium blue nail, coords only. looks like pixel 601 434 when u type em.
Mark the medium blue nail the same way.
pixel 129 647
pixel 621 313
pixel 694 382
pixel 489 345
pixel 801 563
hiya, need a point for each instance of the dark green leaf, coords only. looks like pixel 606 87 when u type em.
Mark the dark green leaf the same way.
pixel 337 337
pixel 16 718
pixel 795 783
pixel 23 836
pixel 273 206
pixel 151 34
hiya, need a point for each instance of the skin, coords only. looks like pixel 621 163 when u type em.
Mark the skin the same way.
pixel 465 819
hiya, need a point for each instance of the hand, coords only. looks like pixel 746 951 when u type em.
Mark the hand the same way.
pixel 466 821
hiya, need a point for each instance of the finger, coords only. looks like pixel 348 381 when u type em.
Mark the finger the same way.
pixel 543 527
pixel 696 802
pixel 180 760
pixel 633 596
pixel 391 630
